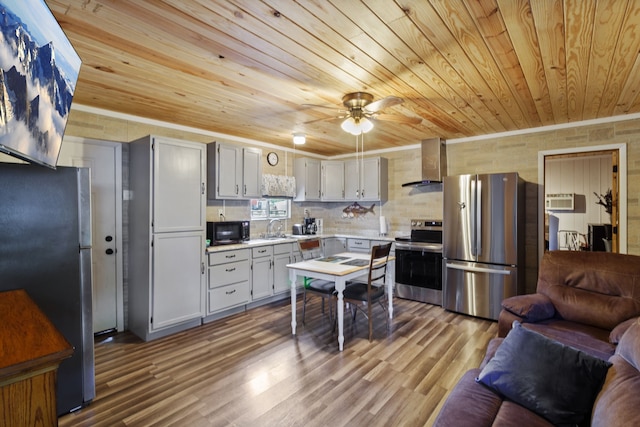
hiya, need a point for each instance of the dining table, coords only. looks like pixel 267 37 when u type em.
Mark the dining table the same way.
pixel 338 268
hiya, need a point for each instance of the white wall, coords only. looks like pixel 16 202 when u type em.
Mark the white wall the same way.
pixel 582 176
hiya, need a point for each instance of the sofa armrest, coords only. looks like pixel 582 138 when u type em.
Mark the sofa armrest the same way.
pixel 470 404
pixel 528 308
pixel 492 347
pixel 505 320
pixel 531 307
pixel 618 331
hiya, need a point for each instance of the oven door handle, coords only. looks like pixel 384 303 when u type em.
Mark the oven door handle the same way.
pixel 478 269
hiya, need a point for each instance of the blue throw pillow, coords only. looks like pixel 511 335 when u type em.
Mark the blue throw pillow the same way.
pixel 557 382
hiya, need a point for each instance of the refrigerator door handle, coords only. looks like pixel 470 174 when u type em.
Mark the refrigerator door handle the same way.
pixel 478 218
pixel 472 218
pixel 478 269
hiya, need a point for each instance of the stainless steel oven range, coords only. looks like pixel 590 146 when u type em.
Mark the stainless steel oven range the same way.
pixel 419 262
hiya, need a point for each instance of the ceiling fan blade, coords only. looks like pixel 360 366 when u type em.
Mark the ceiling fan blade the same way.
pixel 325 119
pixel 332 107
pixel 397 118
pixel 383 103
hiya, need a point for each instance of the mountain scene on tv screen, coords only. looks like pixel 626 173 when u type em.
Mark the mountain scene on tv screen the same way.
pixel 35 95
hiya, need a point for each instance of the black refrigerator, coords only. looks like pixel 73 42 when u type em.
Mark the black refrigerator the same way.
pixel 45 248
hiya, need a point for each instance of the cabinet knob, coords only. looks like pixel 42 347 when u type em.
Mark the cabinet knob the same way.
pixel 109 251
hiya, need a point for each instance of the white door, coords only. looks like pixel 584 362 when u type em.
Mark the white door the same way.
pixel 106 267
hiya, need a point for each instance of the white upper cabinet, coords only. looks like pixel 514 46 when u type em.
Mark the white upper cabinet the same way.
pixel 178 199
pixel 234 172
pixel 366 179
pixel 307 174
pixel 251 173
pixel 332 180
pixel 374 179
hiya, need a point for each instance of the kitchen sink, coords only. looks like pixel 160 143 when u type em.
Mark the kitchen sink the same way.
pixel 272 239
pixel 265 240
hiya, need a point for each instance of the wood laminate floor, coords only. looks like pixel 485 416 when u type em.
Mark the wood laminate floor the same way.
pixel 248 370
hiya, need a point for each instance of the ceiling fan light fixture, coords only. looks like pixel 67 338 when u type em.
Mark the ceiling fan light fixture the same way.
pixel 356 127
pixel 366 125
pixel 299 138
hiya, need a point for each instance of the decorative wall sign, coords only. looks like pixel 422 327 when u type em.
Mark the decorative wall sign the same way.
pixel 38 73
pixel 355 210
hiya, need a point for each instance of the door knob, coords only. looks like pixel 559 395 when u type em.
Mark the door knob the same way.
pixel 109 251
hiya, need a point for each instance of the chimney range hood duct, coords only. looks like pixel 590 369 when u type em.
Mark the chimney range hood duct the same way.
pixel 434 163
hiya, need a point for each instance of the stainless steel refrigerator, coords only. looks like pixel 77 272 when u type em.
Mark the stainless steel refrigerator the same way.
pixel 483 242
pixel 45 248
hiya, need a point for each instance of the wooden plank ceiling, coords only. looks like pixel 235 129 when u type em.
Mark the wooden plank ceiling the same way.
pixel 249 68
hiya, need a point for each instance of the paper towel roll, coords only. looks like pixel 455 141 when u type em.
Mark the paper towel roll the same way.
pixel 383 225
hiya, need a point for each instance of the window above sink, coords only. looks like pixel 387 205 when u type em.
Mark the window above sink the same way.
pixel 265 209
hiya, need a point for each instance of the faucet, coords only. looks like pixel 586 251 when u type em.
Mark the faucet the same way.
pixel 270 232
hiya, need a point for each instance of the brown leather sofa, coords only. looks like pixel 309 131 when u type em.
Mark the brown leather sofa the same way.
pixel 586 300
pixel 582 299
pixel 471 404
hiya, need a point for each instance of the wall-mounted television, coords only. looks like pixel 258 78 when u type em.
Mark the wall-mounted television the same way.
pixel 38 73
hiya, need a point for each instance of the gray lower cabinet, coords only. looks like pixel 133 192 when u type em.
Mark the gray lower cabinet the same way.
pixel 282 255
pixel 359 245
pixel 333 245
pixel 262 272
pixel 269 274
pixel 229 280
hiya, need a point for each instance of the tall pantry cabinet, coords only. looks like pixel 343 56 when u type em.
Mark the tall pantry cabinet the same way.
pixel 167 220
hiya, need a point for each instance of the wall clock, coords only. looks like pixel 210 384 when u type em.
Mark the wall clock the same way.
pixel 272 158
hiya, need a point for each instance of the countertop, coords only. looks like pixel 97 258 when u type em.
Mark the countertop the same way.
pixel 291 239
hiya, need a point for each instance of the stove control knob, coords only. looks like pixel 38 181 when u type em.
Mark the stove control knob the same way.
pixel 419 223
pixel 413 223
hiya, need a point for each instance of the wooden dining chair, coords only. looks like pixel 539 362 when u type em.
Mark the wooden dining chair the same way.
pixel 363 295
pixel 310 249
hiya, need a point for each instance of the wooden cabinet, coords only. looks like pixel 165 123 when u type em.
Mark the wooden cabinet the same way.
pixel 234 172
pixel 261 272
pixel 167 236
pixel 229 280
pixel 307 174
pixel 332 183
pixel 366 179
pixel 31 349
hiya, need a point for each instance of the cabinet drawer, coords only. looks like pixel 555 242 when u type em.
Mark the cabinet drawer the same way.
pixel 232 272
pixel 228 256
pixel 283 248
pixel 229 296
pixel 358 245
pixel 262 251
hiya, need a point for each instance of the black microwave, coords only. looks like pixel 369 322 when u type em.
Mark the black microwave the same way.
pixel 227 232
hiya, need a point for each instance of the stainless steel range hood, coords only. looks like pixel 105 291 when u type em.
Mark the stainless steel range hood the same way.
pixel 434 163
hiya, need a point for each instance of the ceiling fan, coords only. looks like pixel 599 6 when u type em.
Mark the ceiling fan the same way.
pixel 361 107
